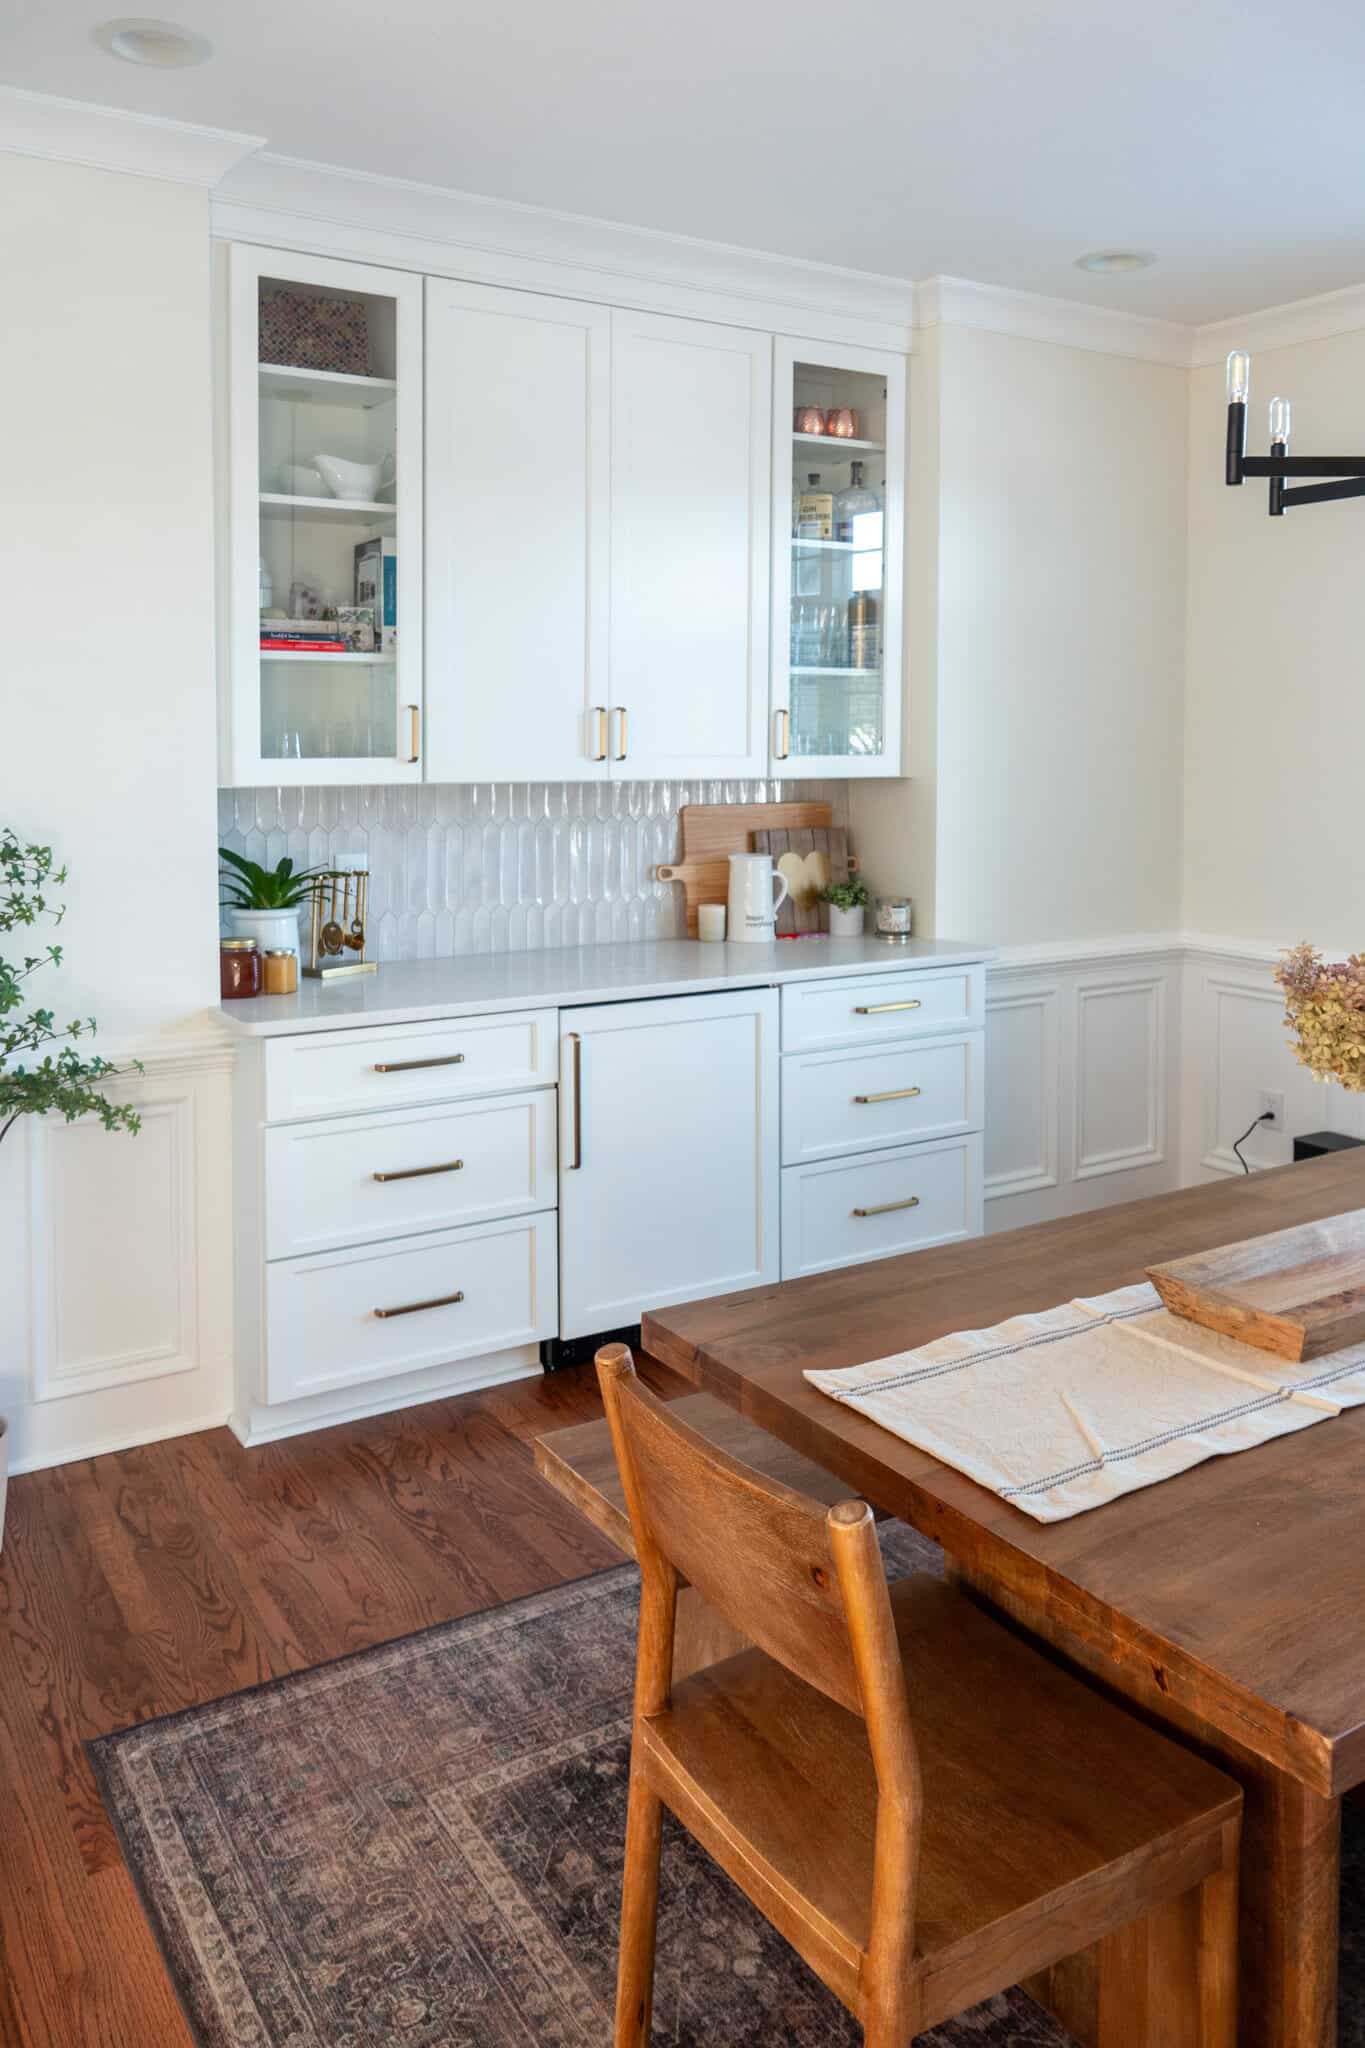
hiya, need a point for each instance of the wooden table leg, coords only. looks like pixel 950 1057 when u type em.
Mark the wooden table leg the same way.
pixel 1290 1865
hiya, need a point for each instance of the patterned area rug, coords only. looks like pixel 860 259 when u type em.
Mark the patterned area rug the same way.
pixel 421 1845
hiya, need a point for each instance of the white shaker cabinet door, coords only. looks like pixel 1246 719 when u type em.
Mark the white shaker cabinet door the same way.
pixel 668 1154
pixel 518 524
pixel 691 425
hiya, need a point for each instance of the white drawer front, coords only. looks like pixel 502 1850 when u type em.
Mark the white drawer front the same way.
pixel 859 1209
pixel 836 1102
pixel 335 1073
pixel 322 1325
pixel 877 1006
pixel 356 1178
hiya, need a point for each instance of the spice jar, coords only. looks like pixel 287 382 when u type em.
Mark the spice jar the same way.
pixel 281 972
pixel 239 969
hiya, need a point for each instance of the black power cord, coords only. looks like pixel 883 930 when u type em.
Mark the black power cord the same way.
pixel 1267 1116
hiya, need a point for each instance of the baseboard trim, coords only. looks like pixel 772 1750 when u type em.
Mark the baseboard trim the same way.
pixel 118 1440
pixel 253 1426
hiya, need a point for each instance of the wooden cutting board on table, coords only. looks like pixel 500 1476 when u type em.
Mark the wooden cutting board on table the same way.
pixel 1297 1292
pixel 712 832
pixel 808 858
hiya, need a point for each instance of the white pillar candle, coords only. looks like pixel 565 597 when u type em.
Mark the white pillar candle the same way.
pixel 711 922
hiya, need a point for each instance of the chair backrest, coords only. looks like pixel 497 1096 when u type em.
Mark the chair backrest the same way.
pixel 803 1582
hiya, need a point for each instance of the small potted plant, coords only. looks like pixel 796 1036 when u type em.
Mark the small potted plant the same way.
pixel 264 903
pixel 847 901
pixel 64 1082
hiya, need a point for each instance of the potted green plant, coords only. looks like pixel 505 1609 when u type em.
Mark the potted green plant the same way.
pixel 847 901
pixel 64 1082
pixel 264 903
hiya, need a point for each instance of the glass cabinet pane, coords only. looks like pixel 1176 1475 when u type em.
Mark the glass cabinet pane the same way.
pixel 838 529
pixel 327 459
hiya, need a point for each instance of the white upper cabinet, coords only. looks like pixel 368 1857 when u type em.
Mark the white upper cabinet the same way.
pixel 691 426
pixel 518 535
pixel 838 491
pixel 322 557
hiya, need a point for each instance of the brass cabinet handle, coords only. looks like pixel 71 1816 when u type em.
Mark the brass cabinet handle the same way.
pixel 880 1009
pixel 414 731
pixel 412 1308
pixel 599 712
pixel 623 732
pixel 885 1208
pixel 889 1095
pixel 576 1060
pixel 449 1059
pixel 781 753
pixel 420 1172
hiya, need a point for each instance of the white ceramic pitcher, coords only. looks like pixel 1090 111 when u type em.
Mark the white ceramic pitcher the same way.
pixel 752 904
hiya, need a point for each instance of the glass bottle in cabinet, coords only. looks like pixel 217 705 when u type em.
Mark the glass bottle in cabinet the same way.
pixel 323 660
pixel 839 466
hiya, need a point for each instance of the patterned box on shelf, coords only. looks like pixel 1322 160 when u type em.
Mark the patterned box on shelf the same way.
pixel 458 868
pixel 309 331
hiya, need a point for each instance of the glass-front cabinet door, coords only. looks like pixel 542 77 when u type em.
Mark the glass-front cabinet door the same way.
pixel 838 506
pixel 325 478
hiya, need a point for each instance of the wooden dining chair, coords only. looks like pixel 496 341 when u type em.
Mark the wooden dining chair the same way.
pixel 925 1807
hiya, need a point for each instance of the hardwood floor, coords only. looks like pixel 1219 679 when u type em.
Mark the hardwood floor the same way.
pixel 152 1580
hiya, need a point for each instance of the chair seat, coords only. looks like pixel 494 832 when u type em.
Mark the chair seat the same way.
pixel 1049 1813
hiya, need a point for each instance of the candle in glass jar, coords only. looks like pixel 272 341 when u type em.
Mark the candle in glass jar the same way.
pixel 895 918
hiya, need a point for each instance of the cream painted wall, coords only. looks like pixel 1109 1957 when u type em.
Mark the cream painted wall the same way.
pixel 108 667
pixel 1059 649
pixel 1275 693
pixel 113 1250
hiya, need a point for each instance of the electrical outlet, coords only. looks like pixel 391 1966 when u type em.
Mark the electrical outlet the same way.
pixel 1272 1109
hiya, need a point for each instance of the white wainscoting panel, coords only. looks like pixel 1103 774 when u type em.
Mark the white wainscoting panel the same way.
pixel 123 1288
pixel 1234 1047
pixel 1119 1074
pixel 1082 1073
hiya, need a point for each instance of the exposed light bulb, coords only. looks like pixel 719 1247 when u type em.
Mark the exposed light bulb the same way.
pixel 1239 377
pixel 1279 421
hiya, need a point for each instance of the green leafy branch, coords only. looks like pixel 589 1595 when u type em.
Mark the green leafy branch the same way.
pixel 65 1082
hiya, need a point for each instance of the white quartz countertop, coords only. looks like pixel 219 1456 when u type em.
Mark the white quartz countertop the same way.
pixel 409 991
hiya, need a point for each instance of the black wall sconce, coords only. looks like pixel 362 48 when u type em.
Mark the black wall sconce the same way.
pixel 1280 464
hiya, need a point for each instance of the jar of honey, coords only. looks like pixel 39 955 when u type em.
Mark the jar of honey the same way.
pixel 281 973
pixel 239 969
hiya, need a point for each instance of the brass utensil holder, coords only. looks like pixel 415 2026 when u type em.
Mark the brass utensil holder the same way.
pixel 336 940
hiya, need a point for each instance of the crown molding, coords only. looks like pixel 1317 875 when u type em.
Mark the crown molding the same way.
pixel 1316 319
pixel 1031 316
pixel 328 211
pixel 112 139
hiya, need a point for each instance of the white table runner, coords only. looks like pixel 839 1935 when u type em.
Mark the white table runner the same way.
pixel 1063 1410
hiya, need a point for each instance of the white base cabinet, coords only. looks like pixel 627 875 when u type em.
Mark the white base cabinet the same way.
pixel 668 1154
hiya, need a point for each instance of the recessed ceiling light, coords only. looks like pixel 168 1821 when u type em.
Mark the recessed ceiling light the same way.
pixel 153 42
pixel 1110 260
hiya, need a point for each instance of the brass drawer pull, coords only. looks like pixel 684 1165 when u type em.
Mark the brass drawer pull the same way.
pixel 885 1208
pixel 576 1057
pixel 880 1009
pixel 411 1308
pixel 599 712
pixel 420 1172
pixel 450 1059
pixel 890 1095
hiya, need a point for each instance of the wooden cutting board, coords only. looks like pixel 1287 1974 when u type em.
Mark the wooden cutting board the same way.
pixel 712 832
pixel 1297 1292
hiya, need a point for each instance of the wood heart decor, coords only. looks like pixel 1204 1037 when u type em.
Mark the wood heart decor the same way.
pixel 809 858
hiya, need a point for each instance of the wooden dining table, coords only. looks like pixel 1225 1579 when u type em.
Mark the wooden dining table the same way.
pixel 1227 1603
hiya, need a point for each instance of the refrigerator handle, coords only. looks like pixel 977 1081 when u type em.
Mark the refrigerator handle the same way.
pixel 576 1087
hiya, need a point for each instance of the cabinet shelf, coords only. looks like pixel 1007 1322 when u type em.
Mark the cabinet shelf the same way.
pixel 836 547
pixel 868 674
pixel 329 660
pixel 325 387
pixel 839 444
pixel 279 504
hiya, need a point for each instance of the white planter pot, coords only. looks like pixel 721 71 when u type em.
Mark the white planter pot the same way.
pixel 275 931
pixel 4 1474
pixel 845 924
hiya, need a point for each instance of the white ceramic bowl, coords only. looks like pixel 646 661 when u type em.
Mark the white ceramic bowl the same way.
pixel 352 479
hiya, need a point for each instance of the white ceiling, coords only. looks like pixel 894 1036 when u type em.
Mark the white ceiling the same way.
pixel 990 139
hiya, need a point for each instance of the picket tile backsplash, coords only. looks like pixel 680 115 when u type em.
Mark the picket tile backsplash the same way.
pixel 506 867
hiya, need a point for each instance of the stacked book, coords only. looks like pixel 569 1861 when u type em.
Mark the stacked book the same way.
pixel 302 636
